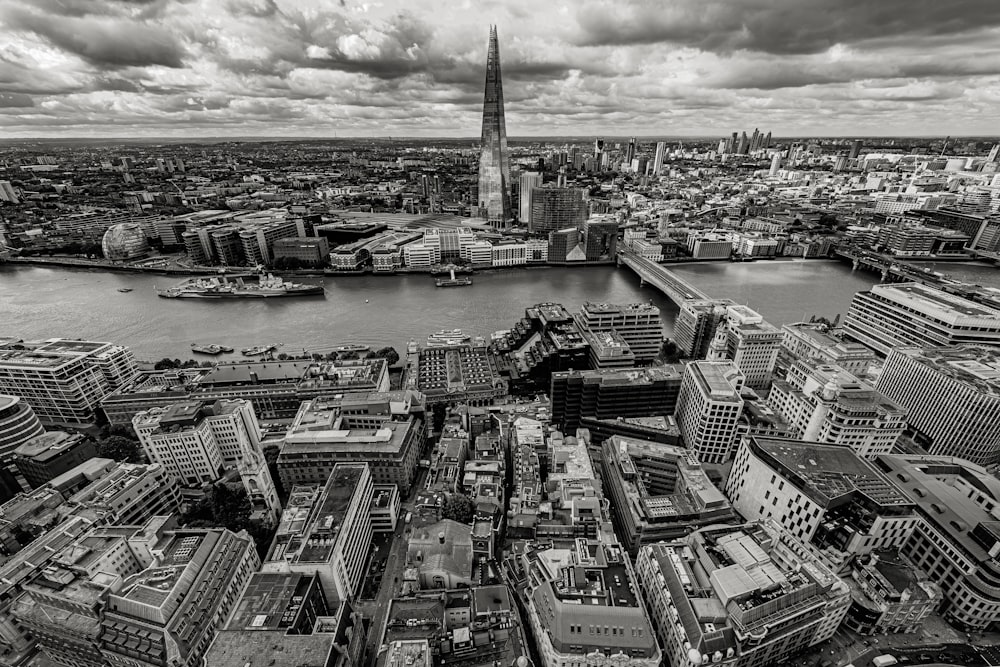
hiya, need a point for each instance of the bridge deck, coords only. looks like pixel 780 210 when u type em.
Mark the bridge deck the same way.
pixel 660 277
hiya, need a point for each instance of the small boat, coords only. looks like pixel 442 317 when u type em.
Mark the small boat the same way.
pixel 258 350
pixel 124 289
pixel 208 349
pixel 366 300
pixel 352 348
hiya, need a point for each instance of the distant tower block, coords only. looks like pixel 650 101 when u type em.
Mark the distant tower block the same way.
pixel 494 163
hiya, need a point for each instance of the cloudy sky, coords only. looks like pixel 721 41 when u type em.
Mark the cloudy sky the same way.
pixel 416 67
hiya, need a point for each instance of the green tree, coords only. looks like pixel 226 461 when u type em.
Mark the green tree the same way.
pixel 120 449
pixel 389 354
pixel 459 507
pixel 438 413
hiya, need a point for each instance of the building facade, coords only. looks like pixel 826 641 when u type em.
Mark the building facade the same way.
pixel 709 407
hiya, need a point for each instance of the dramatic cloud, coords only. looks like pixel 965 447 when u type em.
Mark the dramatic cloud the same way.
pixel 645 67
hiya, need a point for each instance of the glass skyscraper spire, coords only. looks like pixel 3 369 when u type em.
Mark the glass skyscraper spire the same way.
pixel 494 164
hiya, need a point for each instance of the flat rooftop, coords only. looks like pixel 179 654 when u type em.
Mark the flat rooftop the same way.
pixel 329 518
pixel 48 446
pixel 827 472
pixel 975 365
pixel 52 353
pixel 267 648
pixel 272 601
pixel 267 372
pixel 925 299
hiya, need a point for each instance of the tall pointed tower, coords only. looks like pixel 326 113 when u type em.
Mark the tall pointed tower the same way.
pixel 494 164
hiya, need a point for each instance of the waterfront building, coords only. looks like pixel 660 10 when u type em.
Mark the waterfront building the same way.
pixel 709 246
pixel 64 380
pixel 459 373
pixel 51 454
pixel 555 208
pixel 913 314
pixel 494 162
pixel 956 540
pixel 508 254
pixel 259 231
pixel 695 325
pixel 709 407
pixel 809 342
pixel 564 246
pixel 825 495
pixel 600 238
pixel 638 323
pixel 328 531
pixel 583 605
pixel 18 425
pixel 952 399
pixel 827 404
pixel 739 596
pixel 657 491
pixel 528 181
pixel 889 594
pixel 613 394
pixel 326 432
pixel 124 242
pixel 311 251
pixel 478 253
pixel 170 611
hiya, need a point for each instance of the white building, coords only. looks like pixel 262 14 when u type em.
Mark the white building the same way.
pixel 478 253
pixel 751 343
pixel 509 254
pixel 908 314
pixel 639 324
pixel 824 403
pixel 709 408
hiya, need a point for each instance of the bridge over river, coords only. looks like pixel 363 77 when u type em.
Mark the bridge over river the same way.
pixel 660 277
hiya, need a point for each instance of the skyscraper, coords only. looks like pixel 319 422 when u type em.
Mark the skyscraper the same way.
pixel 661 149
pixel 494 164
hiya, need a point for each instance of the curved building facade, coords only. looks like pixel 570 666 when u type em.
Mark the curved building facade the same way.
pixel 18 424
pixel 124 241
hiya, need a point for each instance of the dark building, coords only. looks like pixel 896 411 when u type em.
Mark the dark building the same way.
pixel 338 233
pixel 600 239
pixel 553 209
pixel 609 394
pixel 562 243
pixel 51 454
pixel 493 193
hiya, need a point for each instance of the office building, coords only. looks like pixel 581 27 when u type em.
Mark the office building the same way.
pixel 658 492
pixel 912 314
pixel 695 325
pixel 956 539
pixel 528 181
pixel 638 323
pixel 327 531
pixel 809 342
pixel 661 151
pixel 608 350
pixel 600 238
pixel 827 404
pixel 583 605
pixel 64 380
pixel 952 399
pixel 553 209
pixel 825 495
pixel 494 163
pixel 889 594
pixel 741 596
pixel 564 245
pixel 709 407
pixel 752 344
pixel 8 193
pixel 18 425
pixel 195 441
pixel 459 373
pixel 442 555
pixel 325 432
pixel 126 494
pixel 168 613
pixel 311 251
pixel 613 394
pixel 51 454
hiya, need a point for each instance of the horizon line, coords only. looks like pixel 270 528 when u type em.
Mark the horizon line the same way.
pixel 476 139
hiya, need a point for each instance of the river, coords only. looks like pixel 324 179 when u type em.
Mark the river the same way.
pixel 40 302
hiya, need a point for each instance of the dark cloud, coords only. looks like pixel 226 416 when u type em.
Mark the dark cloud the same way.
pixel 105 42
pixel 15 101
pixel 777 26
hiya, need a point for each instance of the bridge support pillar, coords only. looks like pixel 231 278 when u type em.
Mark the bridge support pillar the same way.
pixel 885 275
pixel 642 282
pixel 854 265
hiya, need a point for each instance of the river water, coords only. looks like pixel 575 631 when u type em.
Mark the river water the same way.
pixel 40 302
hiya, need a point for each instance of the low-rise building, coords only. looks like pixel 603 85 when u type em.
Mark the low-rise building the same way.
pixel 51 454
pixel 889 594
pixel 741 596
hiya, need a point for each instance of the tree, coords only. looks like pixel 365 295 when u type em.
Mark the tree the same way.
pixel 389 354
pixel 120 449
pixel 459 507
pixel 438 413
pixel 670 352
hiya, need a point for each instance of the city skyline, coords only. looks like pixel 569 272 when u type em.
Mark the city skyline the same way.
pixel 276 68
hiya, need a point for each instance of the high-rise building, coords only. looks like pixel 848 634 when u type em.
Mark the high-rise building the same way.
pixel 695 325
pixel 8 193
pixel 809 343
pixel 824 403
pixel 553 209
pixel 752 343
pixel 600 237
pixel 327 530
pixel 855 150
pixel 775 164
pixel 528 181
pixel 64 380
pixel 661 151
pixel 709 407
pixel 494 163
pixel 952 396
pixel 638 323
pixel 739 596
pixel 907 314
pixel 630 152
